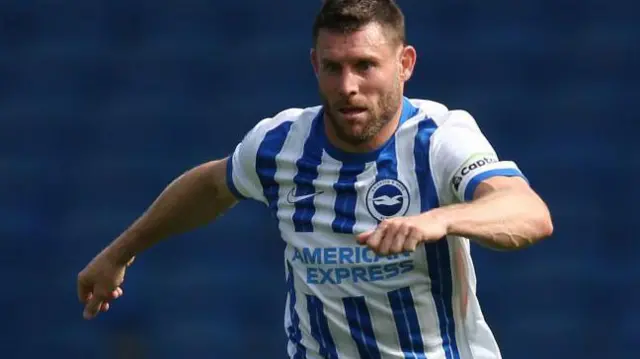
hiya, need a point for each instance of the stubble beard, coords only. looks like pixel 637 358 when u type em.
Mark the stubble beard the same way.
pixel 376 120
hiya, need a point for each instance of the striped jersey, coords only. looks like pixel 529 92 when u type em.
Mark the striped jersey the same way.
pixel 345 301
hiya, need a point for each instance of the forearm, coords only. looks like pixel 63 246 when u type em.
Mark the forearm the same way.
pixel 190 201
pixel 506 219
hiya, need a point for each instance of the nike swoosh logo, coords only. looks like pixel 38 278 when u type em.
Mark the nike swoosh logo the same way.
pixel 292 198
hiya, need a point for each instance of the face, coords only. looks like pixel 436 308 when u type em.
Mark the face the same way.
pixel 361 78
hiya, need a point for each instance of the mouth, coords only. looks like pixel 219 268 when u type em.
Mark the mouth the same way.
pixel 350 111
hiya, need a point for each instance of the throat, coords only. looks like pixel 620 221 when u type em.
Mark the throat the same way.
pixel 352 144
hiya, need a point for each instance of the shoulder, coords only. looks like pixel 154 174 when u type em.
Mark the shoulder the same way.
pixel 429 108
pixel 435 118
pixel 281 122
pixel 442 115
pixel 456 119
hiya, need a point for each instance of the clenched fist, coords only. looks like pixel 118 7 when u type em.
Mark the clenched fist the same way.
pixel 99 283
pixel 401 234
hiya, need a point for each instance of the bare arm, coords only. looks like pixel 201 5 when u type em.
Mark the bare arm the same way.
pixel 193 199
pixel 505 214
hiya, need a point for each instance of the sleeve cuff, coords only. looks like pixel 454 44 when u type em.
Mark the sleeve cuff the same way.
pixel 232 186
pixel 477 179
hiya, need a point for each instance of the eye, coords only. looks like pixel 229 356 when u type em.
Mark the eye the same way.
pixel 364 65
pixel 331 67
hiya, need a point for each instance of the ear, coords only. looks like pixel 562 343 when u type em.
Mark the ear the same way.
pixel 314 61
pixel 408 59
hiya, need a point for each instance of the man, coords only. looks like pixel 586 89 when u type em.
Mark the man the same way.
pixel 377 197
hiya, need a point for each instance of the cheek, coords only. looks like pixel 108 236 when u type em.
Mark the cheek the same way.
pixel 326 84
pixel 377 83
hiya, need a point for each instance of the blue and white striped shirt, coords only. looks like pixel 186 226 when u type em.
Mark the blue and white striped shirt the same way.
pixel 344 301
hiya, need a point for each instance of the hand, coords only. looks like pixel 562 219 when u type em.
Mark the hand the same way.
pixel 402 234
pixel 99 283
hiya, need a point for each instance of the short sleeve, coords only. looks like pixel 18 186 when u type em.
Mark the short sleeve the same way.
pixel 242 177
pixel 461 157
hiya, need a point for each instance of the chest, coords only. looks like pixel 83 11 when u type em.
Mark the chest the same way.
pixel 336 197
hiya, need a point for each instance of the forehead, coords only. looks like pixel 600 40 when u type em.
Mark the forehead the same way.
pixel 368 41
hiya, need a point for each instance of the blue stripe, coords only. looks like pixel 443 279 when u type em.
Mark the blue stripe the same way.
pixel 293 331
pixel 360 326
pixel 266 168
pixel 320 328
pixel 475 181
pixel 230 184
pixel 441 289
pixel 387 161
pixel 307 166
pixel 428 194
pixel 346 197
pixel 407 325
pixel 437 253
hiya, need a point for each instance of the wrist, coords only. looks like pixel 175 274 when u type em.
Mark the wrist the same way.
pixel 442 216
pixel 121 251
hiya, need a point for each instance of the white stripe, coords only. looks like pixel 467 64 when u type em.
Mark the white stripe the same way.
pixel 286 169
pixel 288 322
pixel 308 341
pixel 406 321
pixel 339 328
pixel 493 166
pixel 405 144
pixel 384 325
pixel 447 320
pixel 362 337
pixel 244 166
pixel 364 221
pixel 328 174
pixel 244 174
pixel 459 318
pixel 423 300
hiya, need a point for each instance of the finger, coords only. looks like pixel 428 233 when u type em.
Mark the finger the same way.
pixel 400 238
pixel 104 307
pixel 362 237
pixel 389 237
pixel 84 290
pixel 411 242
pixel 374 239
pixel 93 305
pixel 131 261
pixel 116 293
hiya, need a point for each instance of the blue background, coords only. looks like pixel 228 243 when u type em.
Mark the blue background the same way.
pixel 103 103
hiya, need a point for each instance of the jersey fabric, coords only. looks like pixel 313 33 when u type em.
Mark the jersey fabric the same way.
pixel 345 301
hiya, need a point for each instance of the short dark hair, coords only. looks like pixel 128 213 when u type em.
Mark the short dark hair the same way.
pixel 346 16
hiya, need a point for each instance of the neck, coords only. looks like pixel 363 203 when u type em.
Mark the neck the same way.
pixel 378 140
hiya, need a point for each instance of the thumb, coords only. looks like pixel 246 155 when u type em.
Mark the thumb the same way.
pixel 362 237
pixel 92 307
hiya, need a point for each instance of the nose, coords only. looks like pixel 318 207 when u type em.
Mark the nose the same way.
pixel 348 83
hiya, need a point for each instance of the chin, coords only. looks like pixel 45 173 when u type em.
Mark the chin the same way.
pixel 355 138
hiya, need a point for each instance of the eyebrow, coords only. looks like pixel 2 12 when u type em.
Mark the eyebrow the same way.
pixel 354 59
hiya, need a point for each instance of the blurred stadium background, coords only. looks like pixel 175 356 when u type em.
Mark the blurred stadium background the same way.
pixel 102 103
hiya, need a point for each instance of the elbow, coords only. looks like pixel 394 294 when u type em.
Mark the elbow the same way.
pixel 546 228
pixel 540 228
pixel 544 224
pixel 541 224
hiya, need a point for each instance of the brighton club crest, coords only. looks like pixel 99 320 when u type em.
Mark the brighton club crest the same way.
pixel 387 198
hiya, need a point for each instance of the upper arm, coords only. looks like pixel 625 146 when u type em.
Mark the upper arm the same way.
pixel 217 171
pixel 254 155
pixel 500 183
pixel 462 158
pixel 241 175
